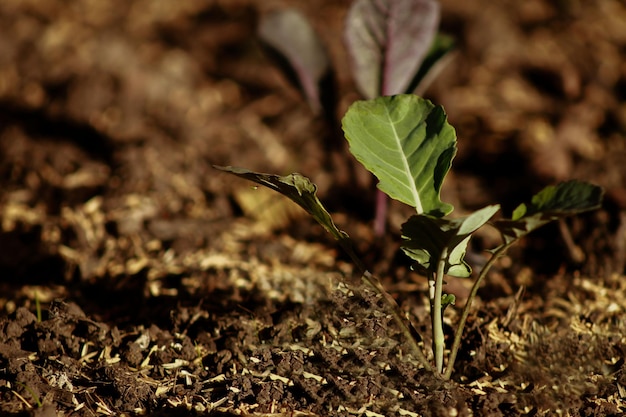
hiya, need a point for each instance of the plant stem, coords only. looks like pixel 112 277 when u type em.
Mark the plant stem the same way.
pixel 32 393
pixel 380 220
pixel 437 313
pixel 37 306
pixel 470 299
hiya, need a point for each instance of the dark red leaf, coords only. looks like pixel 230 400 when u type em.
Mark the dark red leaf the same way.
pixel 387 41
pixel 290 34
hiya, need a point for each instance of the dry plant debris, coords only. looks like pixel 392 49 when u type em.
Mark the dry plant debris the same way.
pixel 158 296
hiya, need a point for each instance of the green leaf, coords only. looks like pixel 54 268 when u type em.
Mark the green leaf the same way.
pixel 447 300
pixel 551 203
pixel 407 143
pixel 426 237
pixel 437 58
pixel 296 187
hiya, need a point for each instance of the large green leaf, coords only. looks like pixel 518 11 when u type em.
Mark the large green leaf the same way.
pixel 408 144
pixel 298 188
pixel 551 203
pixel 426 237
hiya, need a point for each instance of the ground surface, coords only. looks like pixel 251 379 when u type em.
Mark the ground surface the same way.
pixel 167 288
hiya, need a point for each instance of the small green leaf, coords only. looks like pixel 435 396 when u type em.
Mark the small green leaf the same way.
pixel 457 265
pixel 447 300
pixel 436 59
pixel 551 203
pixel 296 187
pixel 407 143
pixel 424 241
pixel 426 237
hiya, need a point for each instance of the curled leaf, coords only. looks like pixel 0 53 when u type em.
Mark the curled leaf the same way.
pixel 296 187
pixel 426 237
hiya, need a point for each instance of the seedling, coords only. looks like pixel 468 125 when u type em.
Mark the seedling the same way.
pixel 407 143
pixel 37 306
pixel 393 46
pixel 32 394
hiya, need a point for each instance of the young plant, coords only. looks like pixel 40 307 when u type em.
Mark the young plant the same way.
pixel 393 46
pixel 407 143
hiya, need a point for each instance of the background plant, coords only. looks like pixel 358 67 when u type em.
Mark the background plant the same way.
pixel 393 46
pixel 407 143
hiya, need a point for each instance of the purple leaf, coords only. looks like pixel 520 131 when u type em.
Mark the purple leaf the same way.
pixel 290 34
pixel 387 41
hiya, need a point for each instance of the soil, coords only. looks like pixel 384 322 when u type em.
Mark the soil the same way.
pixel 137 280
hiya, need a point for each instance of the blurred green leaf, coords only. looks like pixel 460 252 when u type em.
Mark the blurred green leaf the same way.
pixel 436 59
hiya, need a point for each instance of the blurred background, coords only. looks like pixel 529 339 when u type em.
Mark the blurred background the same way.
pixel 111 114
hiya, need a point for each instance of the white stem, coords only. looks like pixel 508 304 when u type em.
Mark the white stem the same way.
pixel 437 313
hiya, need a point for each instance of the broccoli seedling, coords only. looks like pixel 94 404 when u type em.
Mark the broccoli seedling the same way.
pixel 407 143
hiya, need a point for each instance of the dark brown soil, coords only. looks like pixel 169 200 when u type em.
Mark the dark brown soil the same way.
pixel 135 279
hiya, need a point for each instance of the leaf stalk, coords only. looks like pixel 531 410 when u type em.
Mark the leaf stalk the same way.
pixel 501 250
